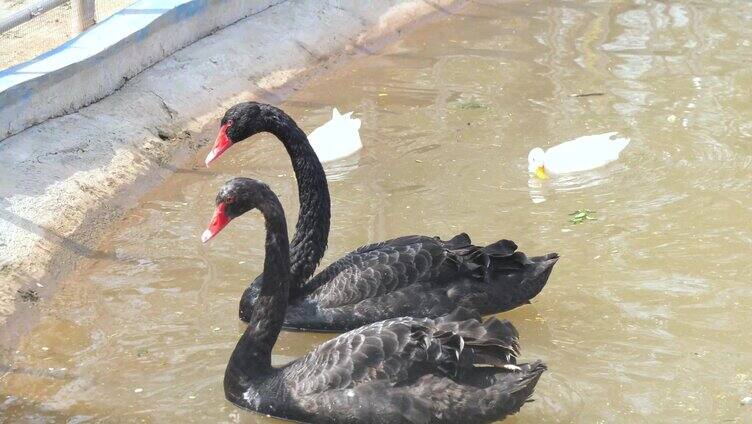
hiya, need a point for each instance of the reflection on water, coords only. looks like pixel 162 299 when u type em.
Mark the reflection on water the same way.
pixel 646 317
pixel 570 182
pixel 339 169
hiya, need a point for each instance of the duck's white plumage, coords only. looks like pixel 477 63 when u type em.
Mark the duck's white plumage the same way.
pixel 336 139
pixel 581 154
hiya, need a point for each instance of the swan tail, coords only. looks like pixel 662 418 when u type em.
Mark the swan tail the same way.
pixel 480 358
pixel 541 269
pixel 481 261
pixel 516 278
pixel 523 275
pixel 520 278
pixel 496 343
pixel 502 248
pixel 486 394
pixel 461 340
pixel 459 242
pixel 514 386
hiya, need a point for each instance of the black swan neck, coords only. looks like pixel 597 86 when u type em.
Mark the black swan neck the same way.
pixel 312 230
pixel 252 355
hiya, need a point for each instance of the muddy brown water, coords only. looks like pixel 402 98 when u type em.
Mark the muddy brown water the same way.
pixel 645 319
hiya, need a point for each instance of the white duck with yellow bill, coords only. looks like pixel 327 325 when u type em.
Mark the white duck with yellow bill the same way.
pixel 581 154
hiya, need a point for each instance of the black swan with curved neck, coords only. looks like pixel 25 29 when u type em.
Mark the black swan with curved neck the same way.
pixel 415 275
pixel 402 370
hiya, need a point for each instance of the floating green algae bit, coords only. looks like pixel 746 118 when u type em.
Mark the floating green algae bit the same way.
pixel 472 104
pixel 581 215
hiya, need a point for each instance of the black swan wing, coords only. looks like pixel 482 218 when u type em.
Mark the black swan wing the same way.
pixel 431 398
pixel 397 351
pixel 453 269
pixel 380 268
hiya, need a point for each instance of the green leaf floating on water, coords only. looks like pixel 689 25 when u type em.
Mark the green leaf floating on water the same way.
pixel 581 215
pixel 472 104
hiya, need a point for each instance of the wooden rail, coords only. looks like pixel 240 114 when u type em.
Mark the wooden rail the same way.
pixel 83 15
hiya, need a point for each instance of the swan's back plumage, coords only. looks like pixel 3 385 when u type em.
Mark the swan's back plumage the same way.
pixel 416 370
pixel 417 276
pixel 584 153
pixel 390 350
pixel 379 268
pixel 337 138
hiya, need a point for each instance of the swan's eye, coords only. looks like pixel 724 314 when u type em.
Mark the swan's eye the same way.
pixel 230 122
pixel 230 200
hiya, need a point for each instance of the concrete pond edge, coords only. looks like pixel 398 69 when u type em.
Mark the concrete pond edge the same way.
pixel 100 60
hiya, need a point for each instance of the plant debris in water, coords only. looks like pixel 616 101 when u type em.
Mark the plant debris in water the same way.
pixel 586 94
pixel 581 215
pixel 29 295
pixel 471 105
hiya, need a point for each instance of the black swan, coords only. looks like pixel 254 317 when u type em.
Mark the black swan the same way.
pixel 402 370
pixel 418 276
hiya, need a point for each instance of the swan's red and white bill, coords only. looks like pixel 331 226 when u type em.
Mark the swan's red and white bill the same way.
pixel 219 220
pixel 221 144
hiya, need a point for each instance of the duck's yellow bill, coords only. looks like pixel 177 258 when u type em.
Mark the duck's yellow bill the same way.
pixel 540 172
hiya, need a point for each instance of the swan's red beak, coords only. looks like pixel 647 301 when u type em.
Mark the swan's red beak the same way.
pixel 221 144
pixel 219 220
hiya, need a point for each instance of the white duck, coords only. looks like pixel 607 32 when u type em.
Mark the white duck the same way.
pixel 581 154
pixel 337 138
